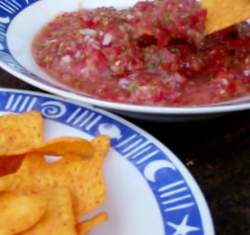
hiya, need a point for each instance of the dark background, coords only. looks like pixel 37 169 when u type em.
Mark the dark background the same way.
pixel 217 152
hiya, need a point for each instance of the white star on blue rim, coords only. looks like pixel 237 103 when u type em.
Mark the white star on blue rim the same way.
pixel 183 228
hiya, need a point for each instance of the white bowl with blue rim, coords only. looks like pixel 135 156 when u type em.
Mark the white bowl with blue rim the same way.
pixel 20 20
pixel 149 191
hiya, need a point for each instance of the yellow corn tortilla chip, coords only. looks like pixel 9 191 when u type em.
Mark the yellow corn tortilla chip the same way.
pixel 225 13
pixel 66 146
pixel 19 133
pixel 19 212
pixel 88 225
pixel 23 133
pixel 59 218
pixel 84 178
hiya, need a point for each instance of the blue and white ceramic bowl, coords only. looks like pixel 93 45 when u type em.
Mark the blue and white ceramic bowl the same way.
pixel 150 192
pixel 20 20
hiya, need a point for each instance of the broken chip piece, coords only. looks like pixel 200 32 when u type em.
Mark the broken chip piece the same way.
pixel 86 226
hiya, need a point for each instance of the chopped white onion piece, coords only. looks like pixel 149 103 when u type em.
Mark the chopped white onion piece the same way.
pixel 66 59
pixel 247 72
pixel 87 31
pixel 107 39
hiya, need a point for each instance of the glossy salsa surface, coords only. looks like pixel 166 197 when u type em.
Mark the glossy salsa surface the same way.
pixel 154 53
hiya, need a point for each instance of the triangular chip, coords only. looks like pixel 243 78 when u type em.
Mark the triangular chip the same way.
pixel 19 133
pixel 225 13
pixel 19 212
pixel 86 226
pixel 66 146
pixel 84 178
pixel 23 133
pixel 59 218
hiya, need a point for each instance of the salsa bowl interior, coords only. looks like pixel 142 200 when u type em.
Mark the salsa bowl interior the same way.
pixel 16 56
pixel 41 13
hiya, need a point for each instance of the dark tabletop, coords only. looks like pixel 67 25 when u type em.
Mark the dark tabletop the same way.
pixel 217 152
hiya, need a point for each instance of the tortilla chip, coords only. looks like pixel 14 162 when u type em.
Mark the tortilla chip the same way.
pixel 88 225
pixel 10 164
pixel 59 217
pixel 23 133
pixel 20 212
pixel 222 14
pixel 19 133
pixel 66 146
pixel 84 178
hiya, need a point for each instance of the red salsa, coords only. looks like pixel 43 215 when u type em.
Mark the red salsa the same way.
pixel 154 53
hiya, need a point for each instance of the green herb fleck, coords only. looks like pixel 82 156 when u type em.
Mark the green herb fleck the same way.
pixel 60 50
pixel 132 87
pixel 174 49
pixel 47 59
pixel 152 65
pixel 151 88
pixel 160 58
pixel 210 77
pixel 167 20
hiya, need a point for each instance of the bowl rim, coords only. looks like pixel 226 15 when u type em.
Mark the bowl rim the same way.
pixel 202 203
pixel 124 106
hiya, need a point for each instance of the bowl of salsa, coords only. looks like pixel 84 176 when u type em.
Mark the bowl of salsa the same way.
pixel 148 59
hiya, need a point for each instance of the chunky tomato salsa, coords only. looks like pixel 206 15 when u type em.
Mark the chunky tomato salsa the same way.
pixel 154 53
